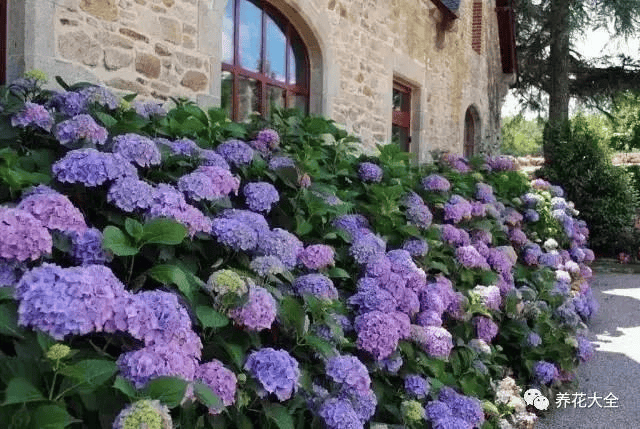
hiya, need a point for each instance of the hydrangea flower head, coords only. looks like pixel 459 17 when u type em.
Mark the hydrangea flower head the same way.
pixel 351 223
pixel 416 247
pixel 258 312
pixel 91 167
pixel 585 349
pixel 141 366
pixel 436 341
pixel 283 245
pixel 469 257
pixel 101 95
pixel 147 414
pixel 227 281
pixel 545 372
pixel 416 386
pixel 316 256
pixel 436 183
pixel 260 196
pixel 69 103
pixel 211 158
pixel 220 380
pixel 281 162
pixel 236 152
pixel 379 332
pixel 339 414
pixel 23 236
pixel 170 203
pixel 484 193
pixel 54 211
pixel 130 194
pixel 316 285
pixel 276 371
pixel 533 339
pixel 267 265
pixel 138 149
pixel 370 172
pixel 149 109
pixel 348 372
pixel 33 115
pixel 412 411
pixel 87 248
pixel 80 127
pixel 365 246
pixel 457 209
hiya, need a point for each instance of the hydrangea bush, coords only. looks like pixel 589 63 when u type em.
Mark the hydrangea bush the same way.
pixel 163 268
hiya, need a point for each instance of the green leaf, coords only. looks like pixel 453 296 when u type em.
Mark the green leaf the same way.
pixel 323 347
pixel 339 273
pixel 51 417
pixel 20 390
pixel 62 83
pixel 106 119
pixel 93 372
pixel 9 320
pixel 163 231
pixel 125 387
pixel 116 241
pixel 304 227
pixel 169 390
pixel 134 228
pixel 236 353
pixel 130 97
pixel 293 313
pixel 210 318
pixel 171 274
pixel 280 415
pixel 208 398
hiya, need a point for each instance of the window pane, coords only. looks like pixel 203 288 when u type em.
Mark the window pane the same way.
pixel 227 93
pixel 276 46
pixel 400 136
pixel 248 98
pixel 227 34
pixel 250 36
pixel 401 101
pixel 275 98
pixel 297 64
pixel 299 102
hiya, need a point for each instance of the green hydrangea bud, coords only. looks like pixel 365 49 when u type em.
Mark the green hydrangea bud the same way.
pixel 145 414
pixel 477 176
pixel 227 281
pixel 124 104
pixel 58 351
pixel 412 411
pixel 37 75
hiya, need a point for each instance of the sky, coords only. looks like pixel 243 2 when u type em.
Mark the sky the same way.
pixel 593 44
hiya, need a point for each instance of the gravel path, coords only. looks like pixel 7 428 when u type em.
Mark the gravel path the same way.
pixel 615 367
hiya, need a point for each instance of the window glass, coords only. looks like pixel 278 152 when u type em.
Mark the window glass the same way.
pixel 297 66
pixel 401 100
pixel 227 34
pixel 400 136
pixel 250 36
pixel 275 98
pixel 299 102
pixel 248 98
pixel 276 48
pixel 226 100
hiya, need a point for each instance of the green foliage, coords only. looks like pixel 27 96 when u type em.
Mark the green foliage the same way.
pixel 521 136
pixel 602 193
pixel 625 121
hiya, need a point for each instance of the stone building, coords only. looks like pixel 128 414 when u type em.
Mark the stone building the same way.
pixel 431 74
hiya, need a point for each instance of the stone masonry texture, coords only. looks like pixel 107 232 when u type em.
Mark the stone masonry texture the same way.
pixel 158 48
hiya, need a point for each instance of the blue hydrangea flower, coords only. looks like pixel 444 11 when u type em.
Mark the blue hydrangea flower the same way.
pixel 457 209
pixel 370 172
pixel 351 223
pixel 365 246
pixel 545 372
pixel 208 183
pixel 91 167
pixel 484 193
pixel 276 371
pixel 69 103
pixel 585 349
pixel 281 244
pixel 416 247
pixel 81 127
pixel 211 158
pixel 101 95
pixel 260 196
pixel 130 194
pixel 234 234
pixel 533 339
pixel 316 256
pixel 416 386
pixel 348 372
pixel 170 203
pixel 149 109
pixel 339 414
pixel 87 248
pixel 379 333
pixel 258 311
pixel 316 285
pixel 220 380
pixel 33 115
pixel 281 162
pixel 138 149
pixel 141 366
pixel 436 183
pixel 23 236
pixel 236 152
pixel 267 265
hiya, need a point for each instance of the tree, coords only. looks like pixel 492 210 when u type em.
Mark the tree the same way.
pixel 549 65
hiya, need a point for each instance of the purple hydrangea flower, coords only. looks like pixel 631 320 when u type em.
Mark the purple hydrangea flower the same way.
pixel 260 196
pixel 545 372
pixel 484 193
pixel 351 223
pixel 454 236
pixel 500 260
pixel 234 234
pixel 511 217
pixel 270 137
pixel 490 296
pixel 10 272
pixel 585 349
pixel 211 158
pixel 457 209
pixel 138 149
pixel 416 386
pixel 281 162
pixel 550 259
pixel 236 152
pixel 533 339
pixel 392 364
pixel 130 194
pixel 339 414
pixel 91 167
pixel 170 203
pixel 23 236
pixel 101 95
pixel 416 247
pixel 81 127
pixel 316 285
pixel 220 380
pixel 54 211
pixel 69 103
pixel 208 183
pixel 436 183
pixel 63 301
pixel 149 109
pixel 33 115
pixel 258 312
pixel 349 372
pixel 316 256
pixel 254 220
pixel 437 411
pixel 429 318
pixel 365 246
pixel 141 366
pixel 586 305
pixel 87 248
pixel 466 408
pixel 486 329
pixel 531 253
pixel 281 244
pixel 502 163
pixel 267 265
pixel 373 298
pixel 531 216
pixel 456 162
pixel 379 333
pixel 276 371
pixel 184 147
pixel 436 341
pixel 469 257
pixel 370 172
pixel 363 403
pixel 518 237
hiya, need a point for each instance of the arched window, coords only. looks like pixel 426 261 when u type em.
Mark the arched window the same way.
pixel 264 61
pixel 471 131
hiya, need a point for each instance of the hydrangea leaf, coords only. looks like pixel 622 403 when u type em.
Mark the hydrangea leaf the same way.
pixel 20 390
pixel 168 390
pixel 106 119
pixel 210 318
pixel 280 415
pixel 134 228
pixel 125 387
pixel 171 274
pixel 116 241
pixel 93 372
pixel 163 231
pixel 207 396
pixel 9 320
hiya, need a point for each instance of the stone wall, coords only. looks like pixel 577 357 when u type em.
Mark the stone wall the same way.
pixel 162 48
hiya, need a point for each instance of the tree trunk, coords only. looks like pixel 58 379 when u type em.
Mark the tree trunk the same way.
pixel 559 73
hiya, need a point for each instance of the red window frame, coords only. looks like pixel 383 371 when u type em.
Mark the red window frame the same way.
pixel 402 118
pixel 263 80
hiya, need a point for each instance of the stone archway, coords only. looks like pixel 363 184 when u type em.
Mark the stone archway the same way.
pixel 472 132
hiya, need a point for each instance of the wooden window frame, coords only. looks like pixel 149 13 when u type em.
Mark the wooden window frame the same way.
pixel 402 118
pixel 261 78
pixel 476 27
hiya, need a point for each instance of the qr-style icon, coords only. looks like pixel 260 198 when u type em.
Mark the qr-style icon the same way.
pixel 534 397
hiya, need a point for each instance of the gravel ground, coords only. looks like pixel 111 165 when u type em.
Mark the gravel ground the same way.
pixel 615 367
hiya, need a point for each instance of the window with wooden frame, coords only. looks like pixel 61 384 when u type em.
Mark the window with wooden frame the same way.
pixel 476 27
pixel 401 116
pixel 264 61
